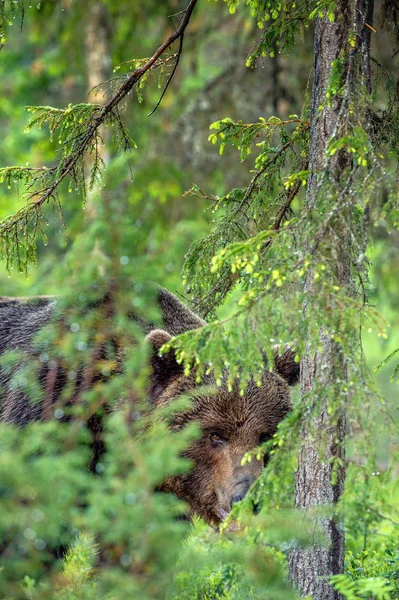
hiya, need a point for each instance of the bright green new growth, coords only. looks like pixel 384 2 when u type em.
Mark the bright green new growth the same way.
pixel 281 21
pixel 378 587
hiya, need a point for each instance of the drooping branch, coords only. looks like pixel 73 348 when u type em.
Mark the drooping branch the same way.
pixel 85 140
pixel 138 73
pixel 7 15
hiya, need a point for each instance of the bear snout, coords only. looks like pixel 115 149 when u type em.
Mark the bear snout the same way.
pixel 240 490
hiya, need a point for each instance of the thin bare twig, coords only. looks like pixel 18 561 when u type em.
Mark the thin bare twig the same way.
pixel 179 52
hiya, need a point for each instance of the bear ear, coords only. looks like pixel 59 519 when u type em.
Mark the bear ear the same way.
pixel 177 317
pixel 286 366
pixel 164 368
pixel 157 339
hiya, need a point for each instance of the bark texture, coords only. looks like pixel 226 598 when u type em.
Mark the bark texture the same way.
pixel 322 440
pixel 98 60
pixel 98 70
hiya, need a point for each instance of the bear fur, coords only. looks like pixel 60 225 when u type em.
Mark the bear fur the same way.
pixel 232 424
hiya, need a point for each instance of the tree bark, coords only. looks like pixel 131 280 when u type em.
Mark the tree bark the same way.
pixel 98 70
pixel 323 439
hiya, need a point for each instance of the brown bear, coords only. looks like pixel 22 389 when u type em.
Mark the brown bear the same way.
pixel 231 424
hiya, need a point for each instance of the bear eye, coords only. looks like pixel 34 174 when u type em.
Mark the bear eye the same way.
pixel 216 438
pixel 265 437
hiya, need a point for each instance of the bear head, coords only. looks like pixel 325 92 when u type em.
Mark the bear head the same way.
pixel 231 425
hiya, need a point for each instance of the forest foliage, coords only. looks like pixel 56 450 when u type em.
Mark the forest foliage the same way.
pixel 244 240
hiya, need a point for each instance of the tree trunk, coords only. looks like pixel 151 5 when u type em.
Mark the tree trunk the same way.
pixel 98 70
pixel 323 439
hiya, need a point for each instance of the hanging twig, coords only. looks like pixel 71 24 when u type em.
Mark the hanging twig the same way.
pixel 180 50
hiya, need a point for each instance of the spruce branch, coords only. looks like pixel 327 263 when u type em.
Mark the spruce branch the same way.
pixel 7 15
pixel 84 121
